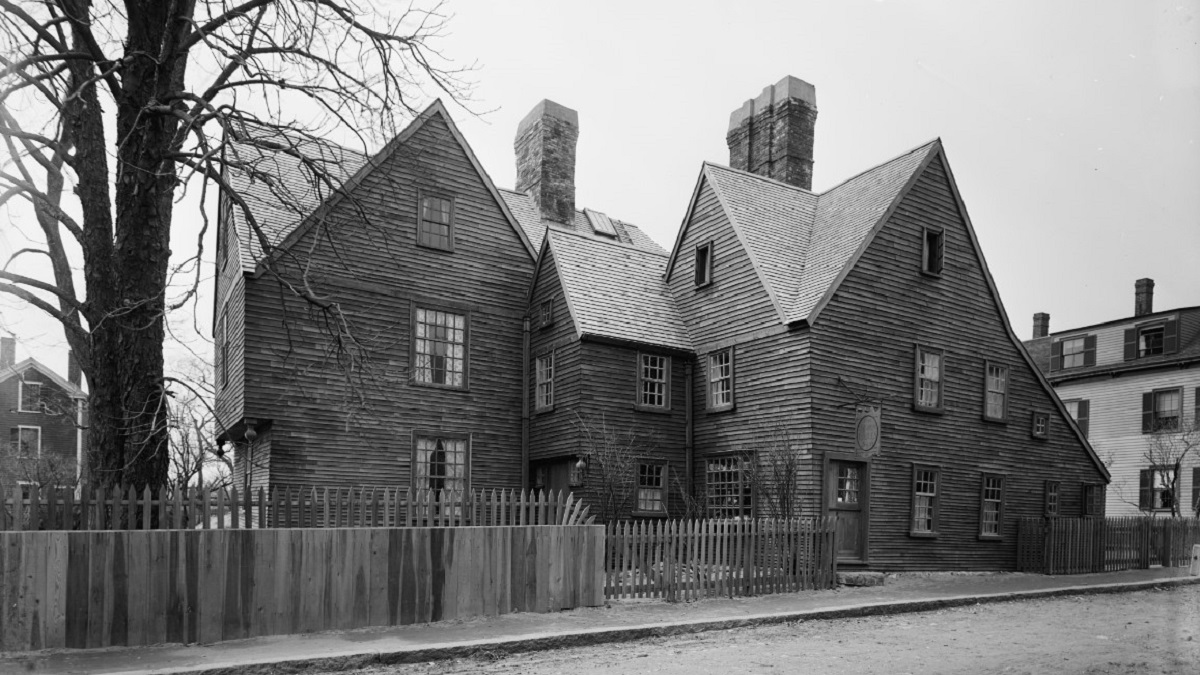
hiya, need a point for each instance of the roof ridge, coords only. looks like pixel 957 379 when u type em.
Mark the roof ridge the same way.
pixel 1144 317
pixel 884 163
pixel 606 242
pixel 751 174
pixel 19 368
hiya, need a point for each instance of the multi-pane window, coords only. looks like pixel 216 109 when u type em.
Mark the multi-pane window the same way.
pixel 223 347
pixel 703 264
pixel 653 381
pixel 1167 405
pixel 30 396
pixel 651 491
pixel 1156 488
pixel 996 398
pixel 1080 411
pixel 546 313
pixel 1073 352
pixel 435 227
pixel 1052 498
pixel 440 463
pixel 1093 499
pixel 727 488
pixel 575 473
pixel 1040 425
pixel 927 390
pixel 720 379
pixel 933 252
pixel 545 382
pixel 26 441
pixel 849 480
pixel 991 512
pixel 440 348
pixel 924 500
pixel 1150 340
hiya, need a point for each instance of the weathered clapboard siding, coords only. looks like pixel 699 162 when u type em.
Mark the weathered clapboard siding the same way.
pixel 365 257
pixel 101 589
pixel 229 300
pixel 552 433
pixel 57 422
pixel 1115 428
pixel 736 301
pixel 866 336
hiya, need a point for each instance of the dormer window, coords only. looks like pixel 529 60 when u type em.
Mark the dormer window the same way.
pixel 1077 351
pixel 1152 339
pixel 546 313
pixel 933 251
pixel 704 264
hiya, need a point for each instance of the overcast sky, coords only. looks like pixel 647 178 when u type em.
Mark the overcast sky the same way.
pixel 1071 127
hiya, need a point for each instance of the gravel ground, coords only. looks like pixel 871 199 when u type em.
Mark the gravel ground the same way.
pixel 1144 632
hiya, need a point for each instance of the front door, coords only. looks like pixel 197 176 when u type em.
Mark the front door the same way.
pixel 848 494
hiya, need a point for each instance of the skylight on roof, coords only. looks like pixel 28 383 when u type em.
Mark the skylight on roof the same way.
pixel 601 224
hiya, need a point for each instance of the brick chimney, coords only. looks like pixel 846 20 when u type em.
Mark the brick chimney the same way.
pixel 1143 297
pixel 1041 325
pixel 74 375
pixel 8 352
pixel 772 135
pixel 545 148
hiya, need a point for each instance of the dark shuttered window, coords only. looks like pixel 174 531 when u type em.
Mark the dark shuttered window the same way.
pixel 933 252
pixel 1154 339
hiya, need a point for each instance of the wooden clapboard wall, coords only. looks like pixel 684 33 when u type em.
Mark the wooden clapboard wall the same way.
pixel 105 588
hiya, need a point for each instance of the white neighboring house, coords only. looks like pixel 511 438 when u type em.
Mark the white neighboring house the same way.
pixel 43 417
pixel 1124 381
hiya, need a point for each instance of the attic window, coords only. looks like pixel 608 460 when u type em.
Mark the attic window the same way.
pixel 933 252
pixel 704 264
pixel 30 397
pixel 546 313
pixel 435 226
pixel 601 224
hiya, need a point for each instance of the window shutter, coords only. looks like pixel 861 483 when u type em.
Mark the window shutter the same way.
pixel 1130 344
pixel 1195 489
pixel 1171 337
pixel 1056 356
pixel 1147 412
pixel 1198 406
pixel 1145 478
pixel 939 253
pixel 1089 350
pixel 1083 412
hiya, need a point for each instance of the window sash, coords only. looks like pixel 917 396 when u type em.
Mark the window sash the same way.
pixel 925 500
pixel 930 368
pixel 703 264
pixel 435 226
pixel 1073 351
pixel 1052 497
pixel 996 398
pixel 30 396
pixel 727 489
pixel 27 441
pixel 545 382
pixel 440 348
pixel 992 508
pixel 1150 341
pixel 720 379
pixel 1168 407
pixel 440 464
pixel 650 497
pixel 652 380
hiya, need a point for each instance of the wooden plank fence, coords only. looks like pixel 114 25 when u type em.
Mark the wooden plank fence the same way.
pixel 195 508
pixel 692 559
pixel 1084 545
pixel 123 588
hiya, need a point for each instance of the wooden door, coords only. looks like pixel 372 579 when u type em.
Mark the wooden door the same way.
pixel 848 496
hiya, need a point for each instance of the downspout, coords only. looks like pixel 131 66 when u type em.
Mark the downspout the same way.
pixel 78 446
pixel 688 449
pixel 525 407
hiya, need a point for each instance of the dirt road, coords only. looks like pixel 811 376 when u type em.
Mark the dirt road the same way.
pixel 1123 633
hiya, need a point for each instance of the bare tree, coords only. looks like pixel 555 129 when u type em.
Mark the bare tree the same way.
pixel 1167 451
pixel 108 110
pixel 773 467
pixel 195 457
pixel 612 454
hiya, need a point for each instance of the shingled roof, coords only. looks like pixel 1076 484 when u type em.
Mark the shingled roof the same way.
pixel 800 242
pixel 616 290
pixel 526 211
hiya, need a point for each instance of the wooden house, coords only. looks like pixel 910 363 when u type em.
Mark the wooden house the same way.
pixel 1133 386
pixel 45 418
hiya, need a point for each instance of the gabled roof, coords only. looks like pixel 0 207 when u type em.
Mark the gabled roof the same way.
pixel 800 243
pixel 616 291
pixel 19 369
pixel 527 213
pixel 286 203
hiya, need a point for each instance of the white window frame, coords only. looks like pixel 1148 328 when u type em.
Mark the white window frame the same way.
pixel 646 493
pixel 21 396
pixel 989 392
pixel 22 428
pixel 920 376
pixel 663 383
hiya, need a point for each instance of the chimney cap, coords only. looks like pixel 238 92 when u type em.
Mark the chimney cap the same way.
pixel 788 87
pixel 548 108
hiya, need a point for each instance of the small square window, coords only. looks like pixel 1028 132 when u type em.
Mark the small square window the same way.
pixel 704 260
pixel 991 506
pixel 30 397
pixel 927 379
pixel 720 380
pixel 546 313
pixel 933 252
pixel 545 382
pixel 651 494
pixel 654 374
pixel 1051 499
pixel 435 226
pixel 925 501
pixel 995 404
pixel 1040 425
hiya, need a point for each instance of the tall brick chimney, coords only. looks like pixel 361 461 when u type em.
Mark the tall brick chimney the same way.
pixel 1041 325
pixel 1143 297
pixel 772 135
pixel 545 147
pixel 74 375
pixel 8 351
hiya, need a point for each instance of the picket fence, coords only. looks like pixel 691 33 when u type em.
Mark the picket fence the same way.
pixel 692 559
pixel 98 508
pixel 1084 545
